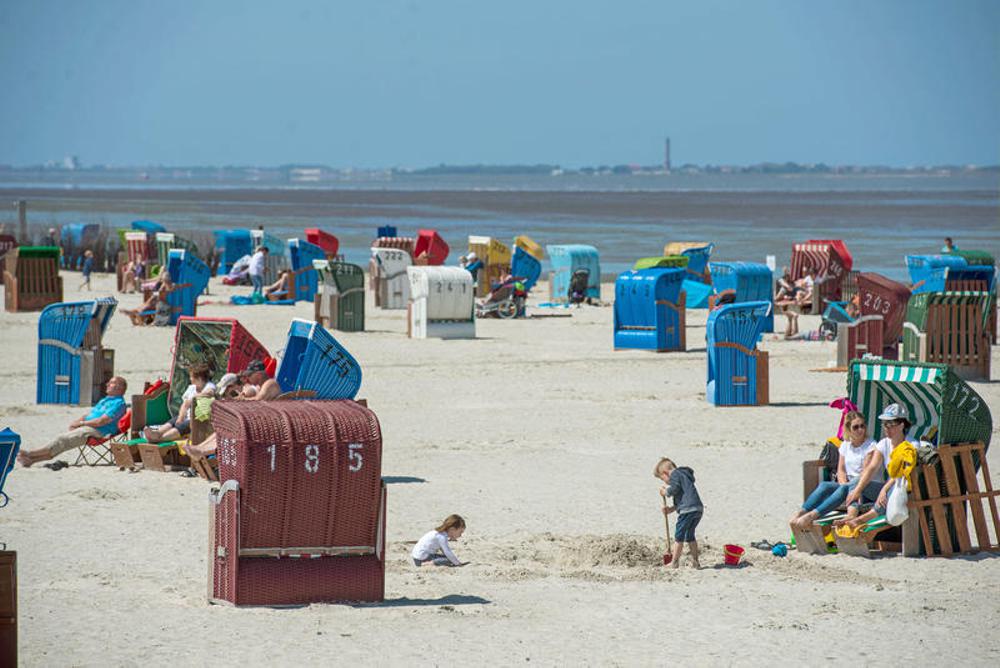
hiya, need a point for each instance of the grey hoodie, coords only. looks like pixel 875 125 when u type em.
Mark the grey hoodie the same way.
pixel 683 491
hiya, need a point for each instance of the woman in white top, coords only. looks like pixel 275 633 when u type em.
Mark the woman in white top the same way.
pixel 871 486
pixel 829 494
pixel 180 426
pixel 433 547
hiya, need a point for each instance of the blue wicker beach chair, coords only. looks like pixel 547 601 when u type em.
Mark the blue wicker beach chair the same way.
pixel 751 281
pixel 72 365
pixel 525 267
pixel 567 259
pixel 10 445
pixel 928 272
pixel 306 283
pixel 190 276
pixel 232 245
pixel 649 310
pixel 314 360
pixel 737 371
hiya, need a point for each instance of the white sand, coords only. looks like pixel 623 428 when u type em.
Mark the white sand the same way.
pixel 544 439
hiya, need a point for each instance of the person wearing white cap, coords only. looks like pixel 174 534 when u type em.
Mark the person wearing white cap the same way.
pixel 229 387
pixel 874 484
pixel 473 265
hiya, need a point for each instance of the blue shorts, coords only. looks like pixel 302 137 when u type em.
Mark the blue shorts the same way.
pixel 686 524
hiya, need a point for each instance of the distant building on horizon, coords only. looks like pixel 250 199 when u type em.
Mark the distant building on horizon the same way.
pixel 666 155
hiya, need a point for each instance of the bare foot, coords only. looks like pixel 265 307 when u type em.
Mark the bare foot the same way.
pixel 695 565
pixel 24 459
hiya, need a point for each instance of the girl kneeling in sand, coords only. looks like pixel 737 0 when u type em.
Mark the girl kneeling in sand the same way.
pixel 433 547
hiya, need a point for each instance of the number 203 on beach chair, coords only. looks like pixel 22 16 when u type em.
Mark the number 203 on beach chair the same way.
pixel 737 370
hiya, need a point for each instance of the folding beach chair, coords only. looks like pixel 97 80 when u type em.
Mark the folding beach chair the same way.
pixel 95 452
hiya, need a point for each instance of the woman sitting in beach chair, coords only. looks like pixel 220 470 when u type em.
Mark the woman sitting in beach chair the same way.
pixel 180 426
pixel 279 289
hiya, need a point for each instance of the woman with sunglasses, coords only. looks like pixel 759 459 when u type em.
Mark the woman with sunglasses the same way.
pixel 875 483
pixel 829 494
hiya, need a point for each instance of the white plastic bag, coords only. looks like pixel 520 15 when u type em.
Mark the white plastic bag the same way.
pixel 895 510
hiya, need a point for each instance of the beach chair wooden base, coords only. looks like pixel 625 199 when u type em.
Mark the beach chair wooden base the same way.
pixel 96 452
pixel 206 468
pixel 126 456
pixel 810 540
pixel 165 458
pixel 943 507
pixel 862 544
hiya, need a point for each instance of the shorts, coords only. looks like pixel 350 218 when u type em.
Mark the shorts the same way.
pixel 686 524
pixel 184 427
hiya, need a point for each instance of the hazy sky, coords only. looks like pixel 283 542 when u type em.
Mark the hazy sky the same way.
pixel 420 82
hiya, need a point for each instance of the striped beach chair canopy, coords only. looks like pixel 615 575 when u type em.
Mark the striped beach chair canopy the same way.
pixel 942 407
pixel 314 360
pixel 825 261
pixel 64 331
pixel 732 332
pixel 840 248
pixel 976 258
pixel 919 304
pixel 166 241
pixel 750 280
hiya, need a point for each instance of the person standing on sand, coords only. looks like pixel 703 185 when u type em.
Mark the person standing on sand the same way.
pixel 678 483
pixel 949 246
pixel 88 268
pixel 256 269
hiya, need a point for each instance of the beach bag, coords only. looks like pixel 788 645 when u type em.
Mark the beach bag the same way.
pixel 895 511
pixel 830 454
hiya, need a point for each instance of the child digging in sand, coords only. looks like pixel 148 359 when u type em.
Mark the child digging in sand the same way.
pixel 433 547
pixel 678 483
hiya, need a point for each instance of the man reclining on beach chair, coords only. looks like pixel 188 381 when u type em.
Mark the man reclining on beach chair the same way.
pixel 99 423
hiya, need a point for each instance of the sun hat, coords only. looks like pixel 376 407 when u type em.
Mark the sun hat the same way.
pixel 225 382
pixel 472 256
pixel 894 412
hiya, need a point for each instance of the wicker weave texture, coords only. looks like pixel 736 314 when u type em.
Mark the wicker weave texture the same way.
pixel 296 580
pixel 883 296
pixel 309 471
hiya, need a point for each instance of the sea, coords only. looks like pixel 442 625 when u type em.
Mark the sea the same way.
pixel 881 217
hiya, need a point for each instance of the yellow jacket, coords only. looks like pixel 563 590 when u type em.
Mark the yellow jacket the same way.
pixel 902 462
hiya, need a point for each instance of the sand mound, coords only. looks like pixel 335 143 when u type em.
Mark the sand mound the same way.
pixel 615 551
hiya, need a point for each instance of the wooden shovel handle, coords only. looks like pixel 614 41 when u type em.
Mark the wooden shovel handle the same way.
pixel 666 520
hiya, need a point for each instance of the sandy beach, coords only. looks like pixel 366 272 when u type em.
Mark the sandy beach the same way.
pixel 543 438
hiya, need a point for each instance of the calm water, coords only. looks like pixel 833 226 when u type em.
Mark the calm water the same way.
pixel 882 218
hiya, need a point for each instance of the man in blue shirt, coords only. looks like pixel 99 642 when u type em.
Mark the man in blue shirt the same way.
pixel 100 422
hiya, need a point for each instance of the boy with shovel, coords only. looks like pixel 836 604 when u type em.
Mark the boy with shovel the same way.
pixel 679 485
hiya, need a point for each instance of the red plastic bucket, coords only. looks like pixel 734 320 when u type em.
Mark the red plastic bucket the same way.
pixel 733 554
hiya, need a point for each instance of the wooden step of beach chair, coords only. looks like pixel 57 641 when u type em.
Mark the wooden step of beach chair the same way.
pixel 126 456
pixel 861 545
pixel 162 457
pixel 206 467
